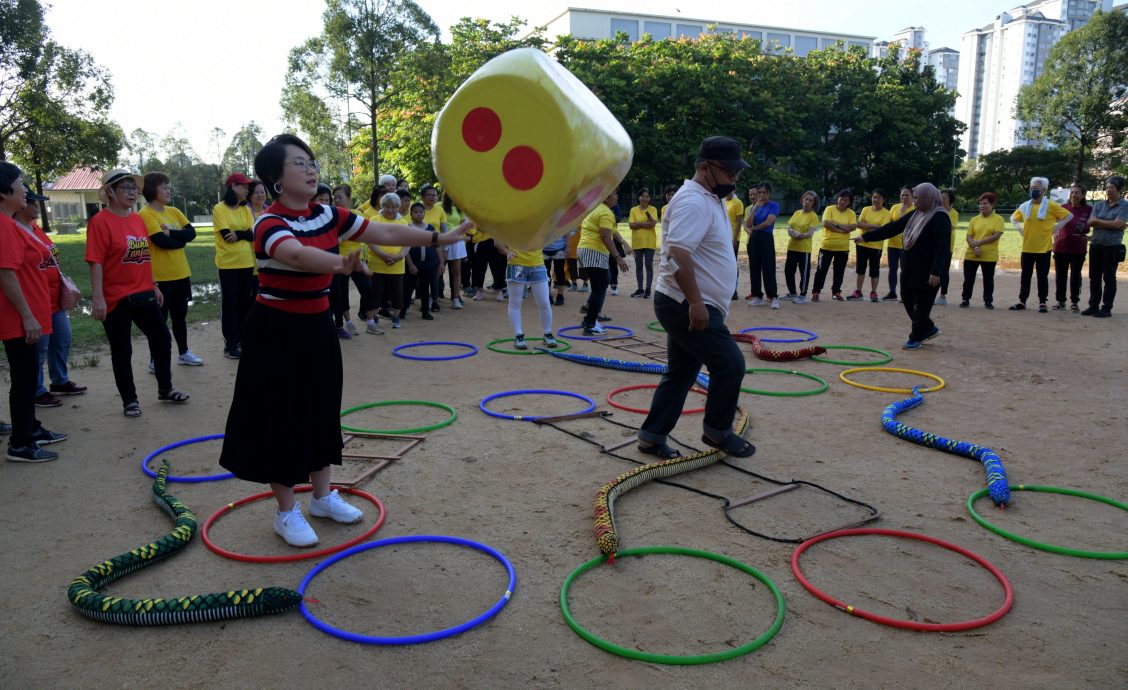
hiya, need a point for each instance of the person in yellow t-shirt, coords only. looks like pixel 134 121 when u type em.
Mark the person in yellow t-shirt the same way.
pixel 869 253
pixel 436 217
pixel 572 264
pixel 895 247
pixel 947 198
pixel 644 240
pixel 1037 220
pixel 838 222
pixel 983 234
pixel 169 232
pixel 734 207
pixel 388 265
pixel 800 228
pixel 597 243
pixel 234 257
pixel 526 269
pixel 341 197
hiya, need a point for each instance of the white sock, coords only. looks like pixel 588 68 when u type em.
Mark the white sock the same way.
pixel 516 297
pixel 544 305
pixel 371 322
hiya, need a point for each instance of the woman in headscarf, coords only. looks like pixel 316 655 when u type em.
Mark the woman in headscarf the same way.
pixel 927 232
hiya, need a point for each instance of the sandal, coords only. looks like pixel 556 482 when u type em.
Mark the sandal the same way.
pixel 172 396
pixel 733 445
pixel 661 450
pixel 132 409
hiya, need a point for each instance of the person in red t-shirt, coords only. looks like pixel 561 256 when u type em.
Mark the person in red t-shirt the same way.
pixel 1070 245
pixel 117 249
pixel 284 426
pixel 25 317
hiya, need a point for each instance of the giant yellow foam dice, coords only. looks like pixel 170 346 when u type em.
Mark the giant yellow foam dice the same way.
pixel 527 150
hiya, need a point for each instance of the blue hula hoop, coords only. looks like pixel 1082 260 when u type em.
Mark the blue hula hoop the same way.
pixel 184 480
pixel 626 333
pixel 522 418
pixel 408 639
pixel 473 351
pixel 811 336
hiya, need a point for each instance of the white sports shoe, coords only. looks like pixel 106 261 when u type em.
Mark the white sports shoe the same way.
pixel 456 303
pixel 775 304
pixel 334 507
pixel 351 327
pixel 293 528
pixel 756 302
pixel 189 359
pixel 800 299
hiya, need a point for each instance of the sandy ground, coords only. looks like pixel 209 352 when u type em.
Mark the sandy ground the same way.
pixel 1046 391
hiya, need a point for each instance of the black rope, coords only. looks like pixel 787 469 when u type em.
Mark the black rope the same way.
pixel 726 503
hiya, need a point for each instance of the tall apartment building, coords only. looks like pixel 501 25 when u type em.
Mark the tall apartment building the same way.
pixel 998 59
pixel 597 24
pixel 946 62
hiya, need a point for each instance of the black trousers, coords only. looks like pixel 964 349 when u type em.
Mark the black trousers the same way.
pixel 419 283
pixel 599 279
pixel 574 270
pixel 487 256
pixel 23 367
pixel 800 261
pixel 468 266
pixel 177 294
pixel 237 292
pixel 339 295
pixel 826 258
pixel 390 287
pixel 1067 269
pixel 894 256
pixel 762 264
pixel 613 271
pixel 555 268
pixel 918 300
pixel 970 267
pixel 1032 261
pixel 644 263
pixel 1102 270
pixel 150 322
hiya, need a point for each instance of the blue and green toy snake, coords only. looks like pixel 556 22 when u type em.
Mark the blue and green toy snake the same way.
pixel 85 597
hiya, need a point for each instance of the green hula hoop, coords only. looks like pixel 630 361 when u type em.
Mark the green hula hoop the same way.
pixel 847 363
pixel 656 326
pixel 414 430
pixel 1063 550
pixel 823 385
pixel 667 658
pixel 490 346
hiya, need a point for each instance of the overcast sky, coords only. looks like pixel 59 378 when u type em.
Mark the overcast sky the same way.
pixel 213 63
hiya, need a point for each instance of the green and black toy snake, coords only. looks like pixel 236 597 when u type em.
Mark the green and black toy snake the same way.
pixel 242 603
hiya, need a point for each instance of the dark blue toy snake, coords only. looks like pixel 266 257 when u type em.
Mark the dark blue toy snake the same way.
pixel 997 487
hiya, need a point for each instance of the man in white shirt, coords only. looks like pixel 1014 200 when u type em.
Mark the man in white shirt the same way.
pixel 695 279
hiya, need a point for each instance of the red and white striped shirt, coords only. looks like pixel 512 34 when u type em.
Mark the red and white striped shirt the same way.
pixel 287 288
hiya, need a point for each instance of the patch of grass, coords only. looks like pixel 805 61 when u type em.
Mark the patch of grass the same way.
pixel 87 334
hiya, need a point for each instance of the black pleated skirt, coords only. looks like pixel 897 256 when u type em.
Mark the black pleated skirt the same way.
pixel 284 421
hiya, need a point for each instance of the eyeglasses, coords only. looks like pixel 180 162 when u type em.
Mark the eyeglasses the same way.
pixel 305 164
pixel 734 176
pixel 126 187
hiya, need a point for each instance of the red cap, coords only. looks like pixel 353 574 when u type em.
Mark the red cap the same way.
pixel 236 178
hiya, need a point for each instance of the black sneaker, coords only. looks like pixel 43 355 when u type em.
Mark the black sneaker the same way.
pixel 1103 314
pixel 1090 311
pixel 646 295
pixel 1060 306
pixel 560 300
pixel 892 296
pixel 44 437
pixel 427 316
pixel 639 293
pixel 385 313
pixel 1074 308
pixel 233 353
pixel 988 305
pixel 965 304
pixel 32 453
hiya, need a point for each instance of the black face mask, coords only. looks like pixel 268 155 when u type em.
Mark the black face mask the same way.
pixel 723 190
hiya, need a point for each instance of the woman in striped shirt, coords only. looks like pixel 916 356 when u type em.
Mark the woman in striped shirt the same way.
pixel 284 426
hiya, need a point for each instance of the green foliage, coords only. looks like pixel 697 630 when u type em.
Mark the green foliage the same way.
pixel 1008 173
pixel 240 153
pixel 1079 99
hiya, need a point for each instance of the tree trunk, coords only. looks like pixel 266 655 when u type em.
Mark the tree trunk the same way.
pixel 45 222
pixel 375 151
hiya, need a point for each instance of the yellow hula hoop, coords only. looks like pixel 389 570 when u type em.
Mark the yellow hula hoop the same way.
pixel 879 389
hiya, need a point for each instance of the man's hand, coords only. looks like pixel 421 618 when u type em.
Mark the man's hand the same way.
pixel 934 281
pixel 698 316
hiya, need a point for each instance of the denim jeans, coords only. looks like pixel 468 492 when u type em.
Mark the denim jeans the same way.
pixel 686 352
pixel 54 349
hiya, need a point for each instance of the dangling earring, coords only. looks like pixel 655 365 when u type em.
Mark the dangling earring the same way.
pixel 277 188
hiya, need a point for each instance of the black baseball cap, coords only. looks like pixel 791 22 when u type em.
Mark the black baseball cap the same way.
pixel 32 196
pixel 722 150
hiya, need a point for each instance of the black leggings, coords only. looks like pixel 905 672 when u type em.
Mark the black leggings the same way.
pixel 644 261
pixel 802 262
pixel 1068 264
pixel 826 258
pixel 151 323
pixel 23 366
pixel 237 293
pixel 574 270
pixel 868 257
pixel 613 271
pixel 487 255
pixel 762 264
pixel 177 293
pixel 894 256
pixel 420 284
pixel 556 268
pixel 599 279
pixel 339 295
pixel 988 280
pixel 1032 261
pixel 389 286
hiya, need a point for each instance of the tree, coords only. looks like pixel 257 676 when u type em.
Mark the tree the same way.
pixel 241 152
pixel 141 144
pixel 1008 173
pixel 1079 100
pixel 353 60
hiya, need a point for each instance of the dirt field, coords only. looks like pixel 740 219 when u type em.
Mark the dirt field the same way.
pixel 1044 390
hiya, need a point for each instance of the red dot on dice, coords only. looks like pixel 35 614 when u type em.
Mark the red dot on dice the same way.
pixel 522 168
pixel 481 129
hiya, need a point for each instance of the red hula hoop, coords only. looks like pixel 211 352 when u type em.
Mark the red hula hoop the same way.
pixel 624 389
pixel 289 558
pixel 894 622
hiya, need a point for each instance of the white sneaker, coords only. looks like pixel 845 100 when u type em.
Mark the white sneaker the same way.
pixel 189 359
pixel 502 294
pixel 374 329
pixel 800 299
pixel 351 327
pixel 333 506
pixel 756 302
pixel 152 367
pixel 940 301
pixel 614 291
pixel 789 297
pixel 293 528
pixel 775 304
pixel 456 303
